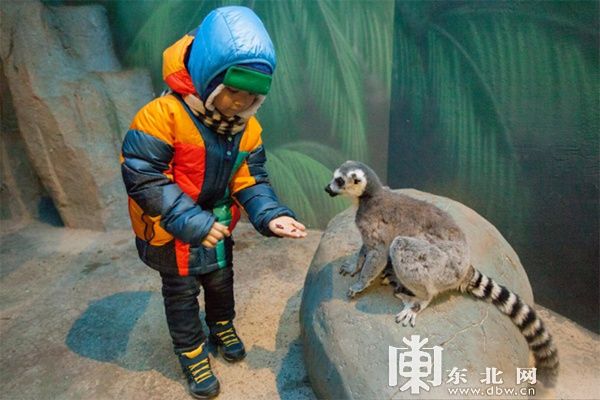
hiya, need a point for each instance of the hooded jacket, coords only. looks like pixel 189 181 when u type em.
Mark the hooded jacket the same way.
pixel 181 176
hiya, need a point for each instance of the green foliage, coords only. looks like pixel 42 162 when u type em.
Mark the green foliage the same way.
pixel 162 23
pixel 489 85
pixel 300 181
pixel 319 83
pixel 476 137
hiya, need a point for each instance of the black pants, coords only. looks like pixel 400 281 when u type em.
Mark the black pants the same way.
pixel 180 294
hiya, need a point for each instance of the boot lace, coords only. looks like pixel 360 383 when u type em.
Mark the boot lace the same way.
pixel 201 370
pixel 228 337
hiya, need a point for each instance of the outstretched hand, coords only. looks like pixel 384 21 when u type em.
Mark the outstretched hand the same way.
pixel 287 227
pixel 217 232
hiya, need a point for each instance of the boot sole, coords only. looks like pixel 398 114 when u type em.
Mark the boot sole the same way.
pixel 222 353
pixel 231 360
pixel 208 396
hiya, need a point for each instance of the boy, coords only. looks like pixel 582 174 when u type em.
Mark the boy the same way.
pixel 190 159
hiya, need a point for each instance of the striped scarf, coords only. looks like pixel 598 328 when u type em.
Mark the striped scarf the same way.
pixel 213 119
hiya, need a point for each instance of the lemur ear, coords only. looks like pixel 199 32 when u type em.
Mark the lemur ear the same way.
pixel 356 180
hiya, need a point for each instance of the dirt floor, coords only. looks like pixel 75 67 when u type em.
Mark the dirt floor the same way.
pixel 82 317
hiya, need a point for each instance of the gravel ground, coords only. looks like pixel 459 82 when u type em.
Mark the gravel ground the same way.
pixel 82 317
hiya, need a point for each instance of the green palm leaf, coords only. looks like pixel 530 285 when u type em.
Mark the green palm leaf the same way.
pixel 284 111
pixel 300 181
pixel 167 22
pixel 325 155
pixel 491 86
pixel 339 92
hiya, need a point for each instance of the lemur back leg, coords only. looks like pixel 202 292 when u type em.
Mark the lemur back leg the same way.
pixel 353 268
pixel 388 277
pixel 375 262
pixel 419 265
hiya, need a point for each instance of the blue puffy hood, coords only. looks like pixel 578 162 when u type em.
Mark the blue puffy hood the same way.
pixel 228 36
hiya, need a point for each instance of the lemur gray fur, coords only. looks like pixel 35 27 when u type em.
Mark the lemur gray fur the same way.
pixel 429 255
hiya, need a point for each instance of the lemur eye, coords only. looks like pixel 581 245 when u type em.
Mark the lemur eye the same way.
pixel 339 181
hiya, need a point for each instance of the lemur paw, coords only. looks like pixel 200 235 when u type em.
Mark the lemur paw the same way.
pixel 347 269
pixel 406 316
pixel 355 289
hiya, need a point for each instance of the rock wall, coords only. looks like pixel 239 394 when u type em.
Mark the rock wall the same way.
pixel 346 343
pixel 73 104
pixel 20 189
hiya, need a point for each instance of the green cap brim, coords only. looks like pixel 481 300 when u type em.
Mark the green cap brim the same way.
pixel 248 80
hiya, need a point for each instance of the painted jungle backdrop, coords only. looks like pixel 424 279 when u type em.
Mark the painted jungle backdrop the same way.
pixel 492 103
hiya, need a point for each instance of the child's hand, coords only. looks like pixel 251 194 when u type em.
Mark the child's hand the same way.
pixel 287 227
pixel 217 232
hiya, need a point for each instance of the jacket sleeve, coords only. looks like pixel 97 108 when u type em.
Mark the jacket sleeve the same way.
pixel 147 153
pixel 251 188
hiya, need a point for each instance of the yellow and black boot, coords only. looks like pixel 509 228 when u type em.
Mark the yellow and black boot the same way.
pixel 202 383
pixel 230 345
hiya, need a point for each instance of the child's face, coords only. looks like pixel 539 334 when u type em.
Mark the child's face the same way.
pixel 233 101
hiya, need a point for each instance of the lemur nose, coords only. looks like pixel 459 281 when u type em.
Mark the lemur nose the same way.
pixel 329 191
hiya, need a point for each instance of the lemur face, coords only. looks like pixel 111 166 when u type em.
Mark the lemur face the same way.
pixel 349 180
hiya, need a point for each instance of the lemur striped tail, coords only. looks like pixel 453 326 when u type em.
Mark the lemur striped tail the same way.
pixel 525 318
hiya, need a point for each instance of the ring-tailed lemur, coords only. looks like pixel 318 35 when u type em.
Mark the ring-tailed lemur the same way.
pixel 429 255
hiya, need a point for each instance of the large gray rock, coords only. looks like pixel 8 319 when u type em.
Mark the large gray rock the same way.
pixel 20 187
pixel 346 342
pixel 73 104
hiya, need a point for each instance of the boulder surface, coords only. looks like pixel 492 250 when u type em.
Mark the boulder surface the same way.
pixel 347 342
